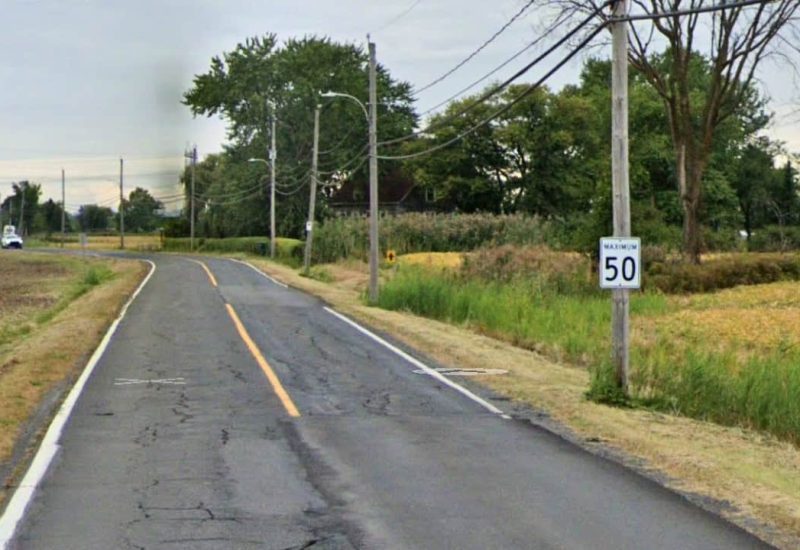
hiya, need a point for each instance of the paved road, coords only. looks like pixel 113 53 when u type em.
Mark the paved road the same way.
pixel 179 441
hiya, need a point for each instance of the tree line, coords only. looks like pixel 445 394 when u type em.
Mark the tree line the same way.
pixel 22 209
pixel 703 173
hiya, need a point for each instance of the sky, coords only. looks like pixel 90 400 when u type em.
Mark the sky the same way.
pixel 87 82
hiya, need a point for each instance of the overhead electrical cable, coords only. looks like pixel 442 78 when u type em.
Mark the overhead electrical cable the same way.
pixel 570 55
pixel 397 17
pixel 506 107
pixel 491 39
pixel 691 11
pixel 499 87
pixel 562 18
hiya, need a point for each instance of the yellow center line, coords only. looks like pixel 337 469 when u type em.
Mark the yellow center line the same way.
pixel 288 404
pixel 208 272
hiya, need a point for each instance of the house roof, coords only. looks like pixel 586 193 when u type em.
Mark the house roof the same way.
pixel 392 188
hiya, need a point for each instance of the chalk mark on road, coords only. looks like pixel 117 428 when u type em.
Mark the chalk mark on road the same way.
pixel 131 381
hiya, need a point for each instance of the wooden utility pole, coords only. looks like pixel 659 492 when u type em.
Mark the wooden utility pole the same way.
pixel 312 201
pixel 63 209
pixel 620 325
pixel 193 153
pixel 121 209
pixel 373 178
pixel 23 186
pixel 272 158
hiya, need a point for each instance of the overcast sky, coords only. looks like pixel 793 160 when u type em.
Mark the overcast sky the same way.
pixel 86 82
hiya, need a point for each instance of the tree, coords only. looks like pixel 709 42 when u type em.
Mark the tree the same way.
pixel 92 217
pixel 291 76
pixel 141 211
pixel 22 206
pixel 50 217
pixel 701 91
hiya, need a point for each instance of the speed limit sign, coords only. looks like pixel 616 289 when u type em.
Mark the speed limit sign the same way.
pixel 620 262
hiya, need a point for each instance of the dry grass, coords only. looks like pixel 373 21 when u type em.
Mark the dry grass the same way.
pixel 50 351
pixel 438 260
pixel 132 242
pixel 757 474
pixel 747 320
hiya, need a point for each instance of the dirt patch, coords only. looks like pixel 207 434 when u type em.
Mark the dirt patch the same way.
pixel 758 476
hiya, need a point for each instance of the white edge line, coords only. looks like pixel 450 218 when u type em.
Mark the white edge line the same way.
pixel 23 495
pixel 422 366
pixel 254 268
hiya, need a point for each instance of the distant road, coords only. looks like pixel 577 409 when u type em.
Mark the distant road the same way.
pixel 245 415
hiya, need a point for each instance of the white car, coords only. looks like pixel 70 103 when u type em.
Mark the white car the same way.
pixel 10 238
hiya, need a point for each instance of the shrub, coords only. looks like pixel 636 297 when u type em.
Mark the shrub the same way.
pixel 737 269
pixel 348 237
pixel 773 238
pixel 562 272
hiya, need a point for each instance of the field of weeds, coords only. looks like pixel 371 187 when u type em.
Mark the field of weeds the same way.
pixel 42 334
pixel 142 242
pixel 732 356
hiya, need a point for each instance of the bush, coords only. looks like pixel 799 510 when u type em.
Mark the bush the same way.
pixel 348 237
pixel 737 269
pixel 562 272
pixel 773 238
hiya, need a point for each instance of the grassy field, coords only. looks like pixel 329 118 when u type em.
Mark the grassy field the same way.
pixel 731 357
pixel 53 312
pixel 99 242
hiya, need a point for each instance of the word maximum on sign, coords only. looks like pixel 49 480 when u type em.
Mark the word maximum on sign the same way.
pixel 620 262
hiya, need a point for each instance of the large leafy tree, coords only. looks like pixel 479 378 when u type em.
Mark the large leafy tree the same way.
pixel 22 206
pixel 241 85
pixel 536 156
pixel 703 67
pixel 92 217
pixel 49 218
pixel 141 211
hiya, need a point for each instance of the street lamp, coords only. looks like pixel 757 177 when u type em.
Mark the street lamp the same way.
pixel 372 121
pixel 271 208
pixel 354 98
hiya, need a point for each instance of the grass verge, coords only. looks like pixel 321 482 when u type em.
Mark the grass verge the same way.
pixel 54 311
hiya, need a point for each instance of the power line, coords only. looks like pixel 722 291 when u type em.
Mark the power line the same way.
pixel 580 46
pixel 479 49
pixel 560 21
pixel 399 16
pixel 499 87
pixel 508 106
pixel 693 11
pixel 297 189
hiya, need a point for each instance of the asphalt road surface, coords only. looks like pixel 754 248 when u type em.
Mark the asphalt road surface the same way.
pixel 180 440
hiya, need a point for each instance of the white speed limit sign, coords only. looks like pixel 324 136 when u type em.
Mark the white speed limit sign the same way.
pixel 620 262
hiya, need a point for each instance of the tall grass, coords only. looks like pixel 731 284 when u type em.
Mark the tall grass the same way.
pixel 348 237
pixel 670 373
pixel 759 392
pixel 525 312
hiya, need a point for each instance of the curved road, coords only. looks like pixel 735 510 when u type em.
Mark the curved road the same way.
pixel 180 440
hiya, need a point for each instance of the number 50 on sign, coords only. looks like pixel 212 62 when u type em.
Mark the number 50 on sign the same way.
pixel 620 262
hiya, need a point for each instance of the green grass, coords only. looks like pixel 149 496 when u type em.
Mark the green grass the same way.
pixel 93 276
pixel 523 312
pixel 670 372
